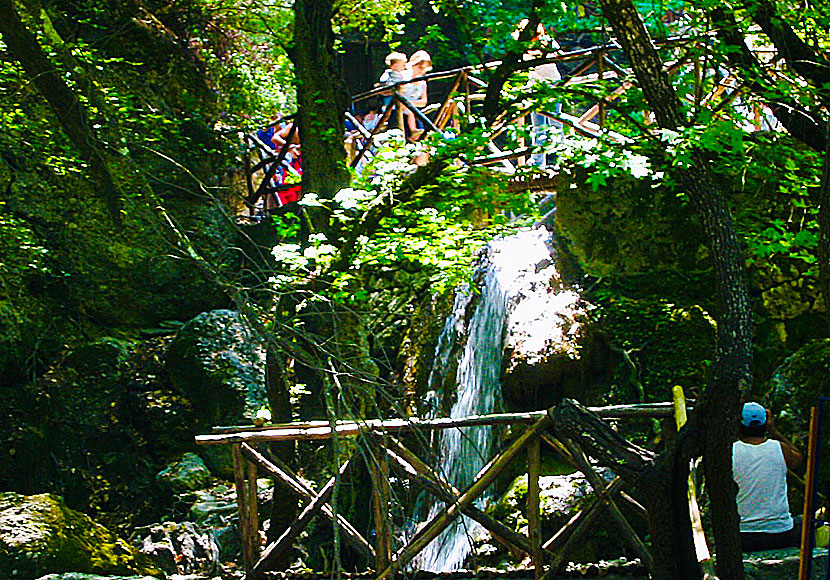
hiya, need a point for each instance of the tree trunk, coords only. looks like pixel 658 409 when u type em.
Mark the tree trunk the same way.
pixel 510 62
pixel 70 112
pixel 733 363
pixel 322 99
pixel 661 480
pixel 284 512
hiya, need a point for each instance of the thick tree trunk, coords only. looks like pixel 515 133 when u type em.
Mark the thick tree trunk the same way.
pixel 70 112
pixel 733 365
pixel 322 99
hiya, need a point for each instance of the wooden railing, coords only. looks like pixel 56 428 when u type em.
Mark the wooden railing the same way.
pixel 378 443
pixel 263 163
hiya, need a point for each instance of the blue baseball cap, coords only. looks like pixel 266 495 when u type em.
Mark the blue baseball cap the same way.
pixel 753 414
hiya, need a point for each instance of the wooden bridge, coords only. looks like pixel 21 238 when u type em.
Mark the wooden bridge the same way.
pixel 377 440
pixel 264 164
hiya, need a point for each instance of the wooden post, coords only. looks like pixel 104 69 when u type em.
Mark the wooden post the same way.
pixel 522 160
pixel 285 475
pixel 249 181
pixel 397 93
pixel 534 519
pixel 247 529
pixel 378 464
pixel 704 558
pixel 445 111
pixel 601 71
pixel 806 552
pixel 253 508
pixel 468 114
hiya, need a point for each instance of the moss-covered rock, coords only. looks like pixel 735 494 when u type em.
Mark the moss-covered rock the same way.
pixel 218 362
pixel 188 474
pixel 626 226
pixel 40 535
pixel 561 496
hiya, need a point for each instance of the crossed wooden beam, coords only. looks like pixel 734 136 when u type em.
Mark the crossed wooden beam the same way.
pixel 384 452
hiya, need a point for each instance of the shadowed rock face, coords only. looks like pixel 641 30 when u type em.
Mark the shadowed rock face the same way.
pixel 40 535
pixel 218 363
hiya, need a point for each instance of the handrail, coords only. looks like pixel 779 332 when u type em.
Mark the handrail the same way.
pixel 323 429
pixel 589 122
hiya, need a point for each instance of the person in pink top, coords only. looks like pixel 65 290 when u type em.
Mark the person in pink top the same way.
pixel 760 459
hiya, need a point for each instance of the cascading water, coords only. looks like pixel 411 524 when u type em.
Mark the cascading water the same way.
pixel 514 268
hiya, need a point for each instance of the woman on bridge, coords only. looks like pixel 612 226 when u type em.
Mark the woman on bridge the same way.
pixel 420 63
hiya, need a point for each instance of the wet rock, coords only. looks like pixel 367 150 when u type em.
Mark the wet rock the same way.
pixel 219 501
pixel 218 362
pixel 39 535
pixel 549 349
pixel 782 564
pixel 189 473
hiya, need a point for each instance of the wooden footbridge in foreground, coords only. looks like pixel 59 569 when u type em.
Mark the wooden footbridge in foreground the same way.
pixel 377 440
pixel 714 89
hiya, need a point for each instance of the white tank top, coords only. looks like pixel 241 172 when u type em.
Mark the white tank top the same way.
pixel 761 475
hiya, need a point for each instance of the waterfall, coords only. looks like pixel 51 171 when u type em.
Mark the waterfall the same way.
pixel 511 266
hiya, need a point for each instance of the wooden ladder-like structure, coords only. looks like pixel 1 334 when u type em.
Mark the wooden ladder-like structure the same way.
pixel 386 453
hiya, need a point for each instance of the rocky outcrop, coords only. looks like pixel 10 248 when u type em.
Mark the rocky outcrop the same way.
pixel 218 363
pixel 626 226
pixel 40 535
pixel 182 548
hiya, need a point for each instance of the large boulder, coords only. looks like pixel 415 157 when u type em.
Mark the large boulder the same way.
pixel 625 226
pixel 551 350
pixel 40 535
pixel 218 362
pixel 187 474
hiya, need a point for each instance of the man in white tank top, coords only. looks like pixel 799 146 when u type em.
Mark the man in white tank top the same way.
pixel 760 459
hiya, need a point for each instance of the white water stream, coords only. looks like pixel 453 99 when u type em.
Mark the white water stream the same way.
pixel 516 270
